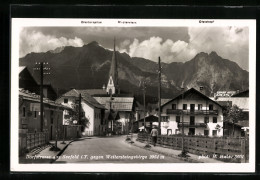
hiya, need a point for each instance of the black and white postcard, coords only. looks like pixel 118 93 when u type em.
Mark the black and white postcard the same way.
pixel 133 95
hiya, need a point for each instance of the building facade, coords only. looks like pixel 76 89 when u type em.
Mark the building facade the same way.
pixel 241 100
pixel 29 115
pixel 149 120
pixel 91 110
pixel 201 115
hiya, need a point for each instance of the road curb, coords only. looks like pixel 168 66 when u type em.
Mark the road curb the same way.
pixel 167 154
pixel 65 147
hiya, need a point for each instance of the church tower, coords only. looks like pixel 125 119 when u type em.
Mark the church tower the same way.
pixel 112 85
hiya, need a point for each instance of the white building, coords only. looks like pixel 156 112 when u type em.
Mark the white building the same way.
pixel 241 99
pixel 92 110
pixel 201 115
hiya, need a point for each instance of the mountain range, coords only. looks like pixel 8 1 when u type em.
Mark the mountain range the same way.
pixel 87 67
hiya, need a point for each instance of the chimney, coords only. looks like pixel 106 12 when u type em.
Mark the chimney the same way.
pixel 202 89
pixel 104 87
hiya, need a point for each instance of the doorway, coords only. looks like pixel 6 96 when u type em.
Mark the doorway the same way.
pixel 192 120
pixel 169 131
pixel 192 108
pixel 51 133
pixel 191 131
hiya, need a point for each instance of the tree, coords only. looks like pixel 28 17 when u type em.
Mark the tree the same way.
pixel 84 121
pixel 233 114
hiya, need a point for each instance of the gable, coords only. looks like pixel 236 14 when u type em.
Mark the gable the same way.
pixel 192 94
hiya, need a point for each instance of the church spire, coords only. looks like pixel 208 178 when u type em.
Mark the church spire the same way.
pixel 112 86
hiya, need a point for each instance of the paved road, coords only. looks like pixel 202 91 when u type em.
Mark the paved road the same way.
pixel 110 150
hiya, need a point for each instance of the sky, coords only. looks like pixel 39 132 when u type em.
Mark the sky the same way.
pixel 172 44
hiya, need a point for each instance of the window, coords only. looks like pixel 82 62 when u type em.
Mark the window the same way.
pixel 23 111
pixel 199 106
pixel 192 107
pixel 165 118
pixel 174 106
pixel 192 120
pixel 51 120
pixel 65 100
pixel 215 119
pixel 51 112
pixel 206 132
pixel 210 106
pixel 184 107
pixel 178 119
pixel 206 119
pixel 214 132
pixel 35 114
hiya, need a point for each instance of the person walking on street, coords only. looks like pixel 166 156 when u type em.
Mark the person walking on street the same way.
pixel 154 134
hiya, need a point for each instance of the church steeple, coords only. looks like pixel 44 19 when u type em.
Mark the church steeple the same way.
pixel 112 85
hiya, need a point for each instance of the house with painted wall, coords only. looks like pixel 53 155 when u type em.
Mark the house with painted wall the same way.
pixel 119 112
pixel 29 114
pixel 92 110
pixel 241 100
pixel 201 115
pixel 32 131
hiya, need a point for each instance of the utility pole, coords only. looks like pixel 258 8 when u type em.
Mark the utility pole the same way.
pixel 147 145
pixel 159 94
pixel 41 94
pixel 42 73
pixel 144 102
pixel 182 127
pixel 110 112
pixel 79 120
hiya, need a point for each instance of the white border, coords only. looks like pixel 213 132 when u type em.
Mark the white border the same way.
pixel 18 23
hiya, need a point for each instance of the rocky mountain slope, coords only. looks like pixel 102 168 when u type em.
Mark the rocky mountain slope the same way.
pixel 88 67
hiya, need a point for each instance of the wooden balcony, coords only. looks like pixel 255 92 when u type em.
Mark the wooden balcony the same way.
pixel 192 112
pixel 188 124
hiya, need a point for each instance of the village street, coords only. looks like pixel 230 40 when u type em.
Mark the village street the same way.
pixel 110 150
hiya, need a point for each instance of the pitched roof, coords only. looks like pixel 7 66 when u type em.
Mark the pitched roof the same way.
pixel 188 94
pixel 225 103
pixel 241 102
pixel 93 92
pixel 85 96
pixel 164 101
pixel 118 103
pixel 27 95
pixel 242 94
pixel 21 68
